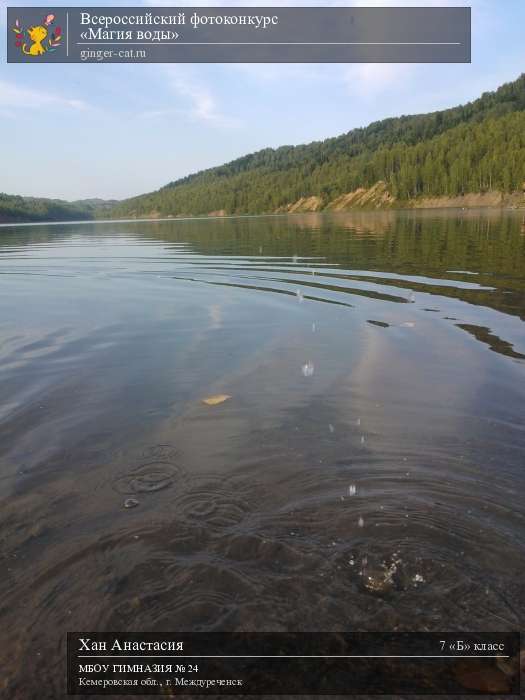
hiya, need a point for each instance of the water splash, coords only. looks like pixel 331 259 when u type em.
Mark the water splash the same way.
pixel 307 369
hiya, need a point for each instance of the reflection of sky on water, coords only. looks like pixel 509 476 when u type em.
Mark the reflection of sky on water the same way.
pixel 366 468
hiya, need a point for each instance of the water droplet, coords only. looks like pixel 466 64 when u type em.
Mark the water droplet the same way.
pixel 299 295
pixel 295 258
pixel 314 327
pixel 352 490
pixel 362 439
pixel 307 369
pixel 130 503
pixel 331 428
pixel 361 522
pixel 408 324
pixel 358 421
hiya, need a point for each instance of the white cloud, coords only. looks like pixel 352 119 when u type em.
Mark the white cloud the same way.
pixel 14 97
pixel 202 102
pixel 364 79
pixel 369 79
pixel 199 102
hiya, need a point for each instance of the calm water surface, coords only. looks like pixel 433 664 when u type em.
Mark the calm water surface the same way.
pixel 367 472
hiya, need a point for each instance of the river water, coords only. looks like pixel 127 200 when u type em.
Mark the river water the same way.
pixel 365 473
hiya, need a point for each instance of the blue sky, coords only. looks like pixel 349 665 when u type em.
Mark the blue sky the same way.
pixel 118 130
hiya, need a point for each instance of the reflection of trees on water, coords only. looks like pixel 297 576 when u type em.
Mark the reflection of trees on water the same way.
pixel 423 244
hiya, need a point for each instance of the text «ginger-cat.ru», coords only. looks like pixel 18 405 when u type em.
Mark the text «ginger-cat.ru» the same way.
pixel 111 54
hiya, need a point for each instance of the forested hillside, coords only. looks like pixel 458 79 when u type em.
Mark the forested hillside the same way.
pixel 21 209
pixel 477 147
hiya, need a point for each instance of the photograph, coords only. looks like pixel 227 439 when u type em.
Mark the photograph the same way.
pixel 262 349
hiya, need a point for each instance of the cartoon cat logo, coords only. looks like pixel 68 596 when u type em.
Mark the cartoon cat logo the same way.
pixel 37 36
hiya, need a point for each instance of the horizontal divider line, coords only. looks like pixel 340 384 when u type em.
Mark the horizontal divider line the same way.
pixel 298 656
pixel 273 43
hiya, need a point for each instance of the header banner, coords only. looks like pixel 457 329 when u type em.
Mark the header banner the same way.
pixel 238 35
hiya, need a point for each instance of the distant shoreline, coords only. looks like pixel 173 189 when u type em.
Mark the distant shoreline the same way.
pixel 324 212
